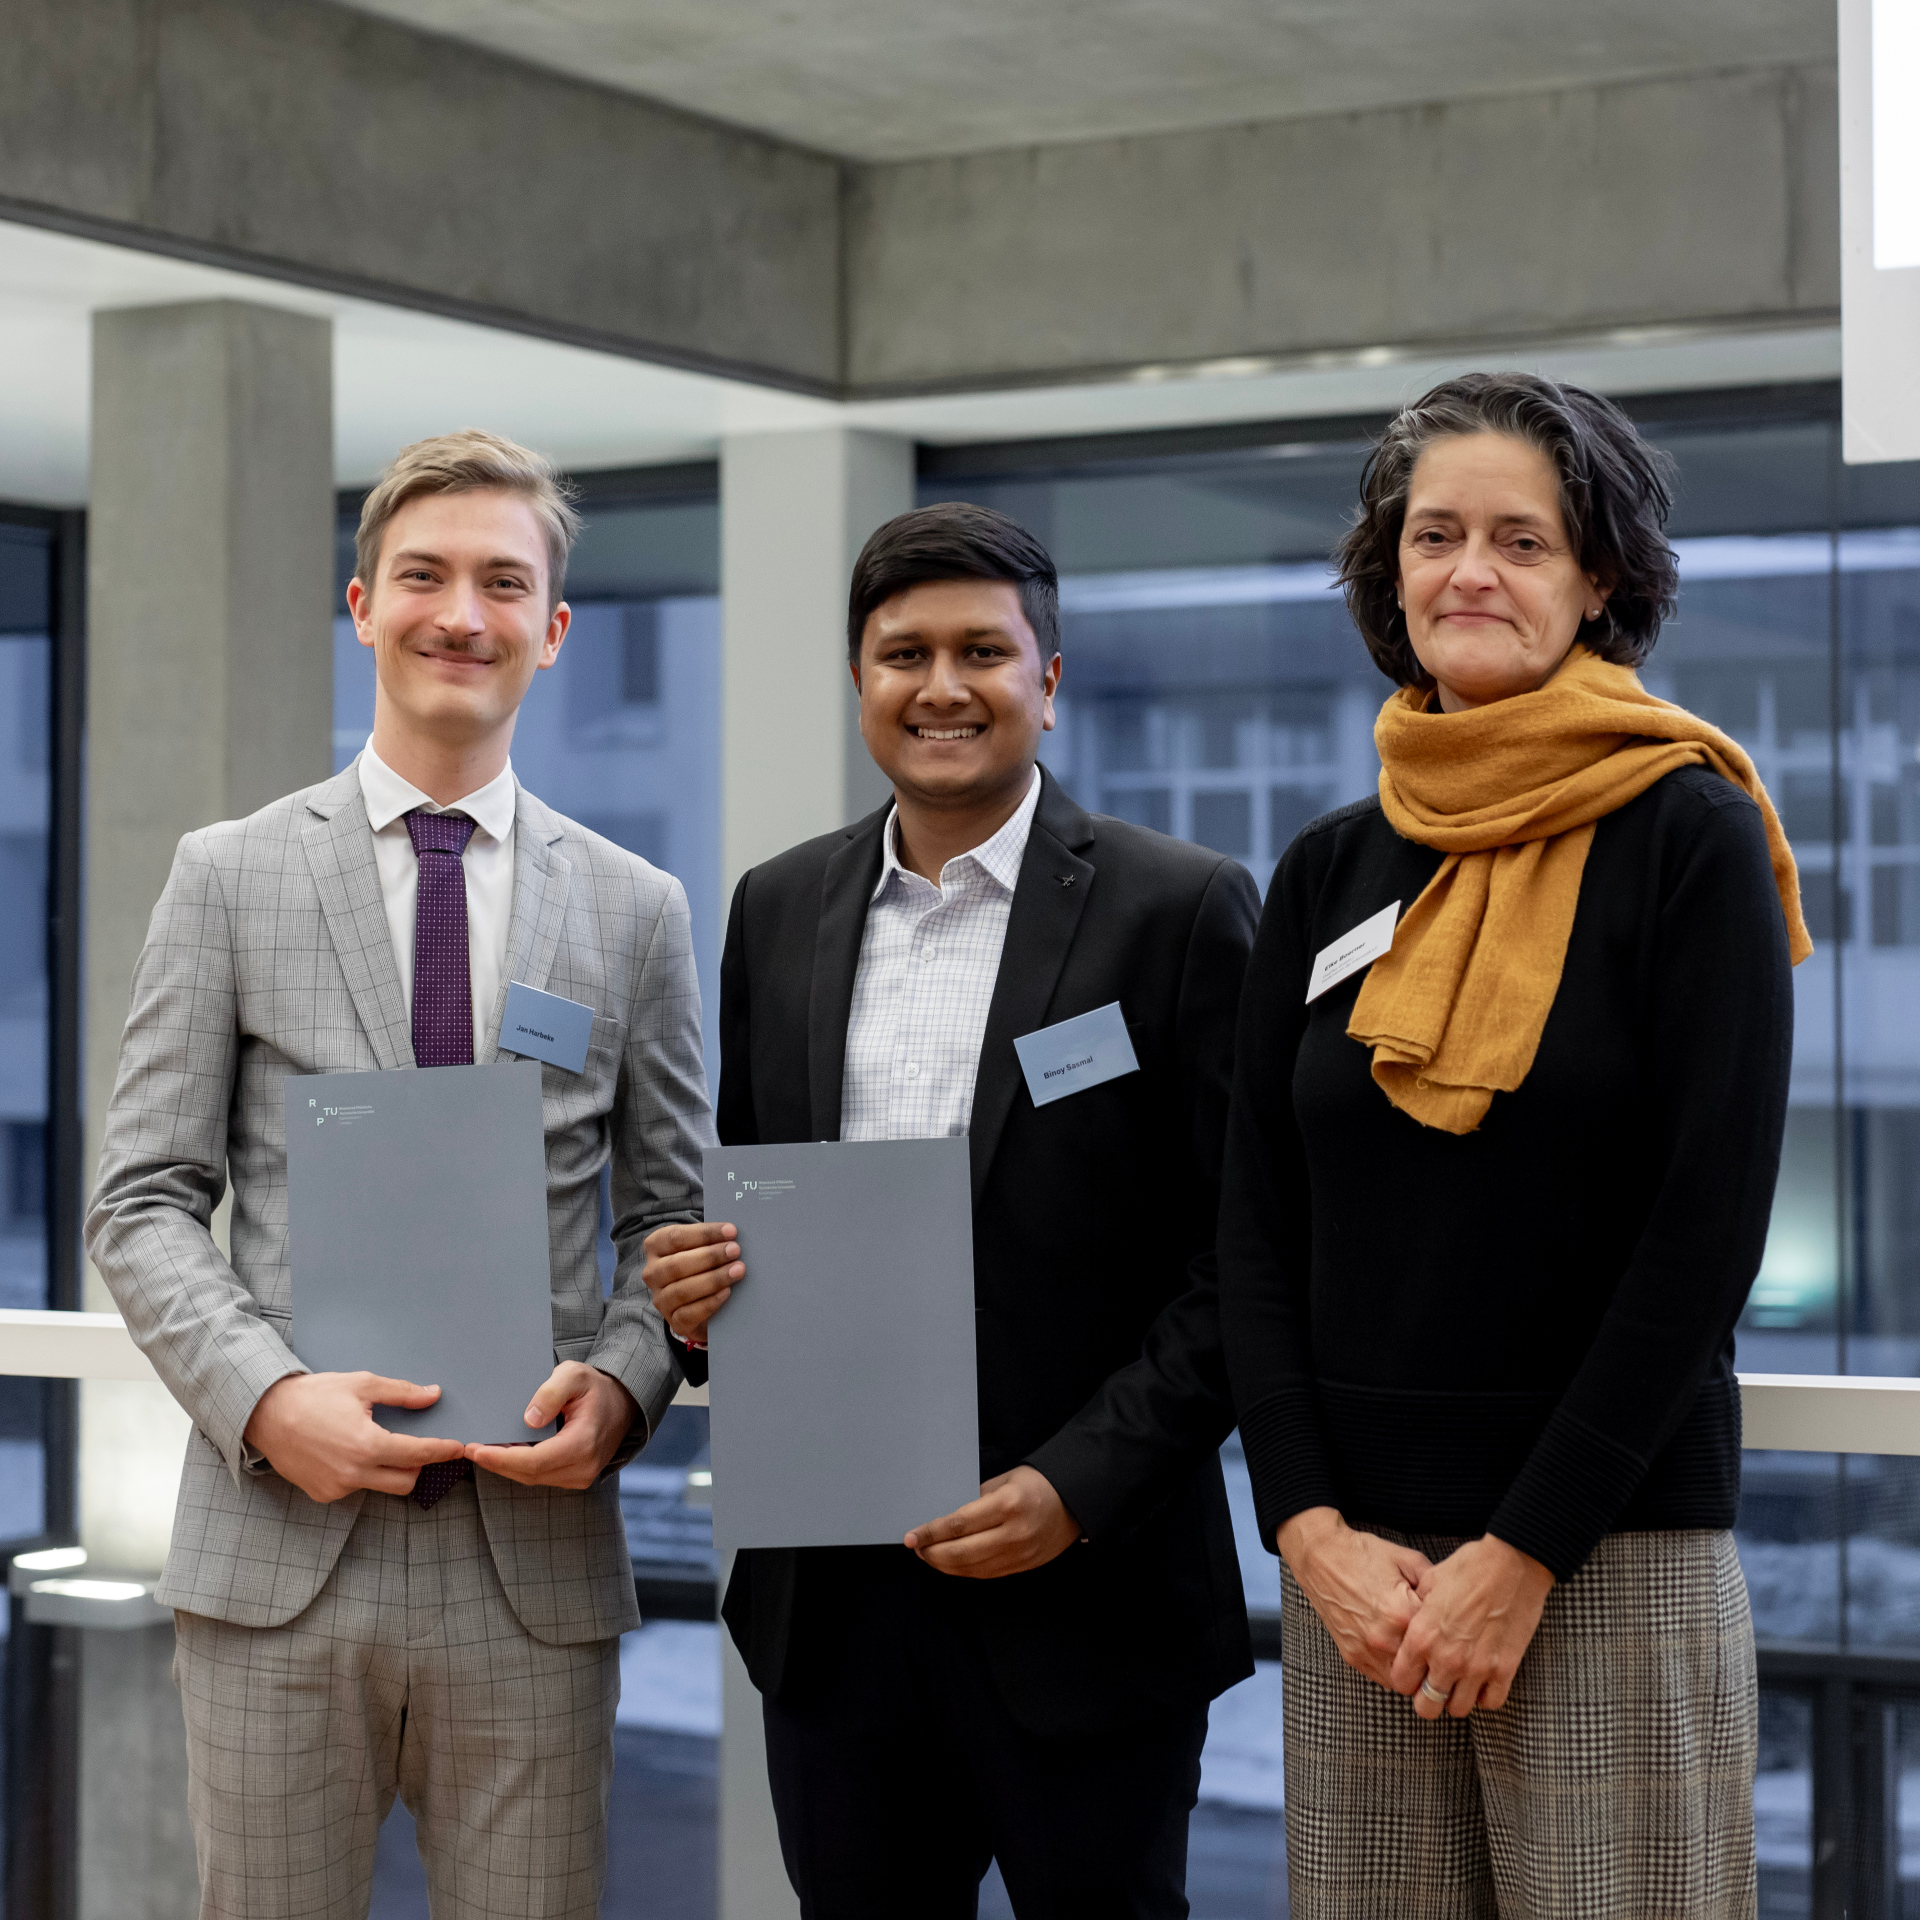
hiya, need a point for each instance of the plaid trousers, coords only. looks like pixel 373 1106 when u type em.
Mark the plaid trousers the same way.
pixel 1615 1784
pixel 408 1672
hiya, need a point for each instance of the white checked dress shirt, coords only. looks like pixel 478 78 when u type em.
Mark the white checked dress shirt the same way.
pixel 928 961
pixel 488 862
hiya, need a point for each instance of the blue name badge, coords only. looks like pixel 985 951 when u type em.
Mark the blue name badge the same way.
pixel 1082 1052
pixel 545 1027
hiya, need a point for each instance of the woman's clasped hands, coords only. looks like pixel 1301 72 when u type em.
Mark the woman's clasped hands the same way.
pixel 1447 1635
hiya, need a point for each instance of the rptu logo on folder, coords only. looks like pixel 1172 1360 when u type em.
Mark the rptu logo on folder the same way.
pixel 761 1189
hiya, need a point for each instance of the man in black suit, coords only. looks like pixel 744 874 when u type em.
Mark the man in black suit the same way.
pixel 1025 1679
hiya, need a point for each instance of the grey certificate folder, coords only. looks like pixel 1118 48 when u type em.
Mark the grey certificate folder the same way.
pixel 841 1375
pixel 417 1208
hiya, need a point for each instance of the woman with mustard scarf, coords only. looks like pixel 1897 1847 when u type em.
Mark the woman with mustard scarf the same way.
pixel 1508 1100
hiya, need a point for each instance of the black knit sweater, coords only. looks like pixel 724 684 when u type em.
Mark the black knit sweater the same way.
pixel 1527 1330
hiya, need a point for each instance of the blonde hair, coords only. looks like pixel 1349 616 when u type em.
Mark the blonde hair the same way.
pixel 466 462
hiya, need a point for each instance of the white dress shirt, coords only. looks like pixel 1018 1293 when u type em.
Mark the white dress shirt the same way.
pixel 928 961
pixel 488 862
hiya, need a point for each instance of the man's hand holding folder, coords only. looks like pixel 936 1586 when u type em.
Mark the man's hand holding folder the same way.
pixel 594 1411
pixel 318 1431
pixel 690 1271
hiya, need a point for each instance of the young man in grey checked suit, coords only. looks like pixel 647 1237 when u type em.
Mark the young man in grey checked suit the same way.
pixel 361 1613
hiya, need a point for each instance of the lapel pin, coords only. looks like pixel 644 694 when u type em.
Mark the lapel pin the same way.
pixel 1065 879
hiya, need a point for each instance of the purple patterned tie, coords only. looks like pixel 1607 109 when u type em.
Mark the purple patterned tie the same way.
pixel 442 988
pixel 442 1003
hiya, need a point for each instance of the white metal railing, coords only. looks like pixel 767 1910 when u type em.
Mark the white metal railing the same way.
pixel 97 1346
pixel 1791 1412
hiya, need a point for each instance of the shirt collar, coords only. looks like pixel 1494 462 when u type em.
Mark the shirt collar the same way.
pixel 999 858
pixel 388 797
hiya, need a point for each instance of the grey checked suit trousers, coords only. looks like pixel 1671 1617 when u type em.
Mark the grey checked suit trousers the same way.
pixel 269 954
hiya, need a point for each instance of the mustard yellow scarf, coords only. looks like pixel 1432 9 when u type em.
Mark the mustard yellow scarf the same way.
pixel 1510 793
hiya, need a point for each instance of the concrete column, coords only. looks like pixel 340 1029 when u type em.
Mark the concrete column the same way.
pixel 209 692
pixel 795 510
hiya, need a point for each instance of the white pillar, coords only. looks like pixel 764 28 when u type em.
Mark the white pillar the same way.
pixel 795 510
pixel 209 692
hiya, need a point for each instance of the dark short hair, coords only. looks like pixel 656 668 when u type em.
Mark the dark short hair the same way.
pixel 1616 491
pixel 955 541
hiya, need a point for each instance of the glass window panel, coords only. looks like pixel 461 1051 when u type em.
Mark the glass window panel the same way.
pixel 1750 478
pixel 1783 1805
pixel 26 666
pixel 1831 1548
pixel 1224 821
pixel 1750 650
pixel 1876 864
pixel 1790 1545
pixel 1902 1744
pixel 661 549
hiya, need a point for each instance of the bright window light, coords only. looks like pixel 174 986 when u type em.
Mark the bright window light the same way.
pixel 51 1559
pixel 91 1589
pixel 1896 133
pixel 699 1478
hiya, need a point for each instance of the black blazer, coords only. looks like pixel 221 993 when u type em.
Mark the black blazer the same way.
pixel 1098 1334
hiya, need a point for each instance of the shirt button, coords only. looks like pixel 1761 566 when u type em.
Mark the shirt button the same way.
pixel 913 1069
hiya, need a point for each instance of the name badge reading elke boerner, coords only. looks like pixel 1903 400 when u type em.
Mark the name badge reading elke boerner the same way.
pixel 1352 951
pixel 545 1027
pixel 1071 1055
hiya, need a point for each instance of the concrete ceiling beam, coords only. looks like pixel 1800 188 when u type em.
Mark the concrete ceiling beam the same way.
pixel 311 143
pixel 306 142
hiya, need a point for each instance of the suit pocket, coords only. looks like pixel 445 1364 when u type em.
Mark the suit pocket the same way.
pixel 609 1036
pixel 573 1098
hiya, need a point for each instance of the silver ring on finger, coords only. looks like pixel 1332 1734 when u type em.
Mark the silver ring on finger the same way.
pixel 1433 1693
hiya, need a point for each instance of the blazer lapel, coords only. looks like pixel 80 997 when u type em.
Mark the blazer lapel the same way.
pixel 852 873
pixel 339 849
pixel 542 875
pixel 1047 905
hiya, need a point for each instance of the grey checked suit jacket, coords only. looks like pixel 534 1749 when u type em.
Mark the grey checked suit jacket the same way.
pixel 269 954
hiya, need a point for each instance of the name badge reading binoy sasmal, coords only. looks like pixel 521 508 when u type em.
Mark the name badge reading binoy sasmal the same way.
pixel 1072 1055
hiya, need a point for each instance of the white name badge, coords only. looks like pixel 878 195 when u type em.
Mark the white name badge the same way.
pixel 1085 1051
pixel 1352 951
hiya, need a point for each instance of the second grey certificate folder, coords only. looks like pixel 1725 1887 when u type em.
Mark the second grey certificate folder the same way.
pixel 417 1207
pixel 842 1391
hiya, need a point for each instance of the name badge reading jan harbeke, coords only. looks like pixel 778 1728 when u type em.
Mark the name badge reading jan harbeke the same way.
pixel 1352 951
pixel 545 1027
pixel 1071 1055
